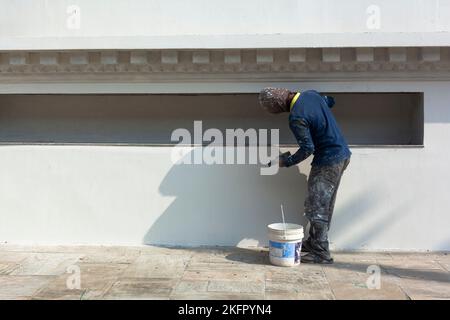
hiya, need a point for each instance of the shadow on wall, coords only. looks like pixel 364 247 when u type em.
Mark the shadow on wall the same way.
pixel 226 204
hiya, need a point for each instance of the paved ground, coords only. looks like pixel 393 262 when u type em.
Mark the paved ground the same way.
pixel 213 273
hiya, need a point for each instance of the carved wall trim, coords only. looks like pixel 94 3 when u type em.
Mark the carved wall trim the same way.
pixel 147 65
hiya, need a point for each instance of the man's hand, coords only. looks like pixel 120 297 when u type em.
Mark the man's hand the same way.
pixel 280 160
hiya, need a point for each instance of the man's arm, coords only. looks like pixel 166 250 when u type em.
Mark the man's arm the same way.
pixel 300 128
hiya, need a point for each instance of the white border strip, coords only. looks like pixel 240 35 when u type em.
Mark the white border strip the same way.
pixel 333 40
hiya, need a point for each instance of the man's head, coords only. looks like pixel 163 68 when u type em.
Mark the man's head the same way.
pixel 275 100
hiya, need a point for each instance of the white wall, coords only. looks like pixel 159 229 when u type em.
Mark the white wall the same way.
pixel 389 198
pixel 139 24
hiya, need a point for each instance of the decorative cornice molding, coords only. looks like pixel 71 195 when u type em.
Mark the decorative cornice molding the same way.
pixel 140 65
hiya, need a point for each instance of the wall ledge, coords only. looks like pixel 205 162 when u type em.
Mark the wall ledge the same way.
pixel 414 63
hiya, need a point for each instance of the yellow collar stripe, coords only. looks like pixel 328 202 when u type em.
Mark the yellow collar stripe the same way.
pixel 294 100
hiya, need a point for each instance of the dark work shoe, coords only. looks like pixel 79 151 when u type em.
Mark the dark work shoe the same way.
pixel 315 258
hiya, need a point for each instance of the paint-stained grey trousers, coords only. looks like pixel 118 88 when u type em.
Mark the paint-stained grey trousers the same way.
pixel 323 184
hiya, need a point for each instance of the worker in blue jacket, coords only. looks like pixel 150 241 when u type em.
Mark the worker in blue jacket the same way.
pixel 317 133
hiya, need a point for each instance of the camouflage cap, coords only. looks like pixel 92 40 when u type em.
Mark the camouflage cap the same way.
pixel 274 99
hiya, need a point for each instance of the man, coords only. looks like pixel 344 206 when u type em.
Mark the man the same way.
pixel 317 132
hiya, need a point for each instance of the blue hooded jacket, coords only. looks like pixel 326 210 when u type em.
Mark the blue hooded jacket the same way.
pixel 316 131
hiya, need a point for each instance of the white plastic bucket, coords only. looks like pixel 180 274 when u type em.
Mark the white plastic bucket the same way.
pixel 285 244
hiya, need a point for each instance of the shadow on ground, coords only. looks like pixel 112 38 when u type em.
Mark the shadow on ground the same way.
pixel 261 257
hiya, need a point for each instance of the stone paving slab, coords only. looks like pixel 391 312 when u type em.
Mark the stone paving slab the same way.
pixel 300 282
pixel 18 257
pixel 363 257
pixel 95 280
pixel 46 264
pixel 120 255
pixel 185 287
pixel 218 296
pixel 418 290
pixel 358 290
pixel 141 288
pixel 149 272
pixel 223 274
pixel 8 267
pixel 21 287
pixel 444 264
pixel 236 286
pixel 320 295
pixel 158 266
